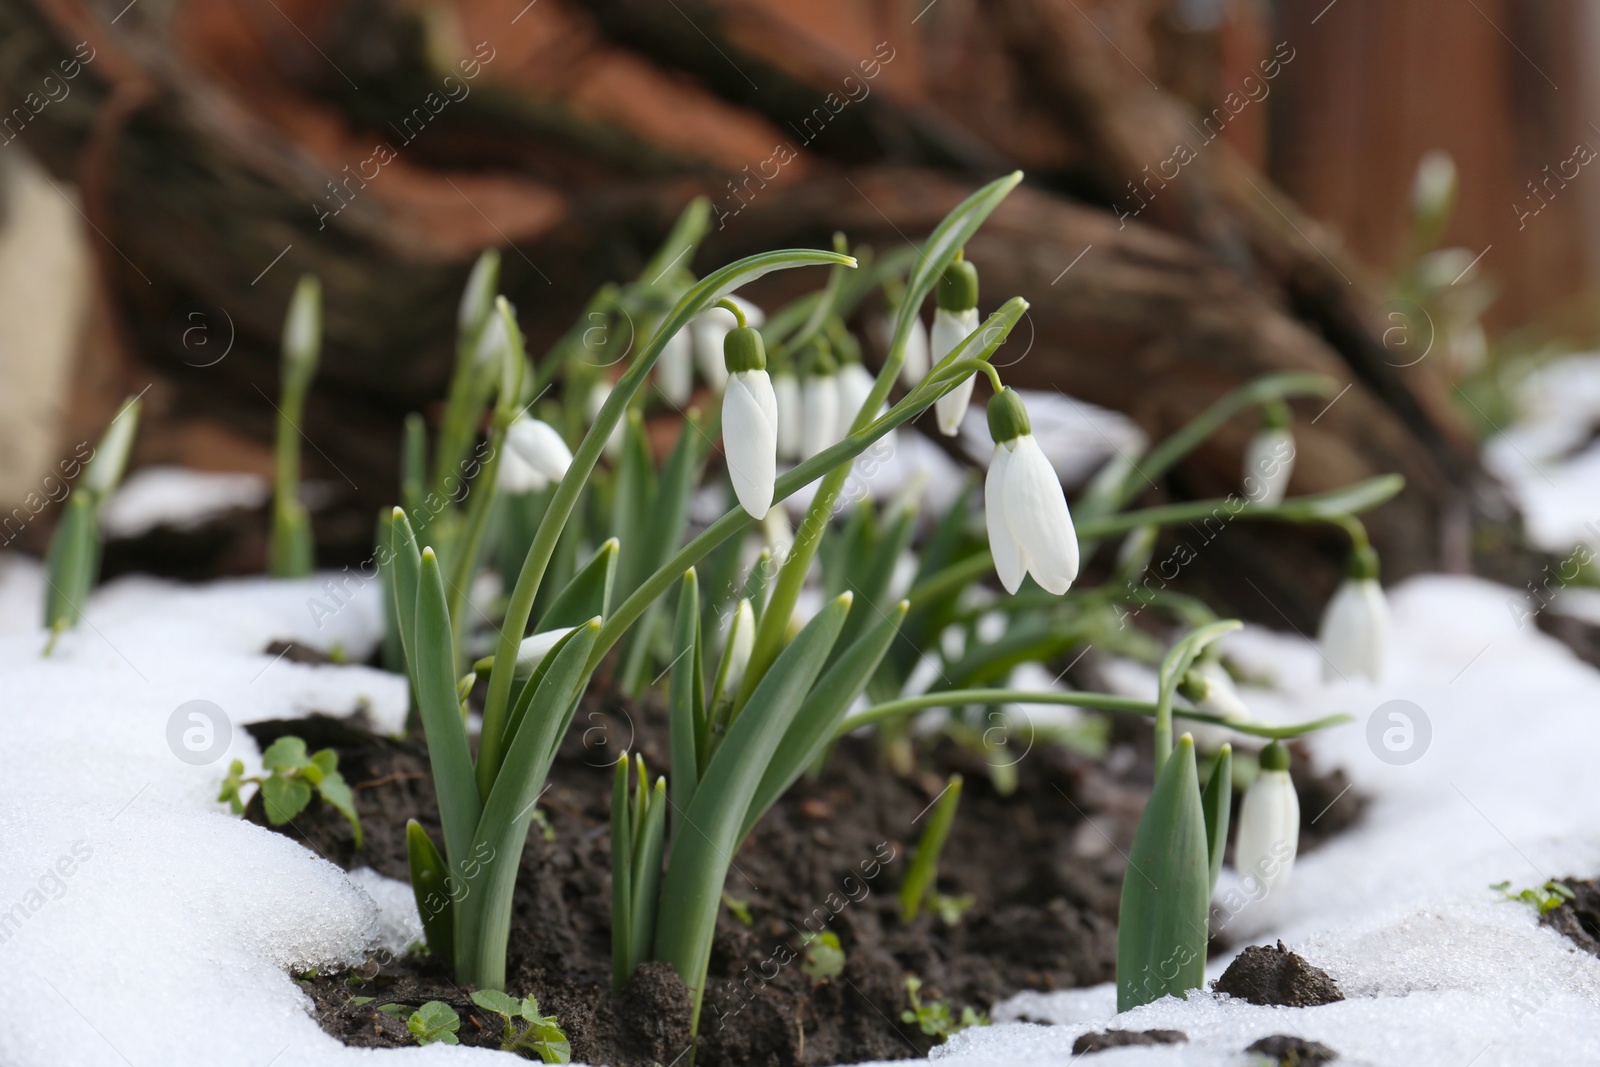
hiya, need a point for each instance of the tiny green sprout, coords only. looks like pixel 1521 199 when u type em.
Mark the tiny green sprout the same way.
pixel 925 864
pixel 934 1018
pixel 526 1029
pixel 740 908
pixel 824 955
pixel 434 1021
pixel 292 776
pixel 543 823
pixel 949 909
pixel 1546 898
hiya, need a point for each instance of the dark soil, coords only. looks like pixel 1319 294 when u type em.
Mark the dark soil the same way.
pixel 1289 1051
pixel 1123 1038
pixel 1578 919
pixel 1262 974
pixel 1044 868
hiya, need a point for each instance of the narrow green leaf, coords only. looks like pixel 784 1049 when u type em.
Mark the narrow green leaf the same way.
pixel 429 884
pixel 700 859
pixel 631 509
pixel 621 876
pixel 686 699
pixel 406 572
pixel 588 594
pixel 650 839
pixel 414 462
pixel 1161 924
pixel 924 870
pixel 1216 803
pixel 818 719
pixel 435 678
pixel 71 563
pixel 502 832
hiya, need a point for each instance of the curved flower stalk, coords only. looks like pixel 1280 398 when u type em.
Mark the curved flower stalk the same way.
pixel 72 564
pixel 749 418
pixel 1030 528
pixel 954 319
pixel 711 329
pixel 1269 822
pixel 1354 634
pixel 290 554
pixel 1269 457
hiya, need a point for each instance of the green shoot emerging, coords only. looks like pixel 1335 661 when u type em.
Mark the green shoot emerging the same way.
pixel 291 778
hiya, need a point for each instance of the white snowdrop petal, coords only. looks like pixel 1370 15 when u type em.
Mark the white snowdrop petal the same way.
pixel 821 396
pixel 1269 830
pixel 518 475
pixel 1268 463
pixel 950 328
pixel 750 439
pixel 675 369
pixel 1355 631
pixel 1036 511
pixel 791 420
pixel 915 367
pixel 538 444
pixel 1002 545
pixel 532 651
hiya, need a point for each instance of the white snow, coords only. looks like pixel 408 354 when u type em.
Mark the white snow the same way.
pixel 179 498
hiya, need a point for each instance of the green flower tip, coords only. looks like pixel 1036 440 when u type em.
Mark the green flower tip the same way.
pixel 1364 563
pixel 611 545
pixel 1008 417
pixel 1276 416
pixel 742 350
pixel 958 286
pixel 1275 757
pixel 1185 743
pixel 427 554
pixel 398 513
pixel 846 598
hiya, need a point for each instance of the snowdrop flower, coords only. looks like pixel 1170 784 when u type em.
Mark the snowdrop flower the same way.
pixel 1030 529
pixel 955 318
pixel 1269 459
pixel 821 403
pixel 675 369
pixel 1355 625
pixel 749 421
pixel 1269 822
pixel 536 453
pixel 786 390
pixel 711 327
pixel 1209 687
pixel 915 365
pixel 534 649
pixel 597 400
pixel 777 532
pixel 855 386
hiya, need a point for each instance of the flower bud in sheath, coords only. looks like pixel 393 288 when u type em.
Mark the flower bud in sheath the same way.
pixel 1030 528
pixel 955 318
pixel 1269 458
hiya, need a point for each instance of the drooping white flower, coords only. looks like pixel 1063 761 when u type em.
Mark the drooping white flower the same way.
pixel 915 365
pixel 675 369
pixel 532 651
pixel 535 447
pixel 855 386
pixel 1209 687
pixel 953 320
pixel 711 328
pixel 597 400
pixel 1030 528
pixel 750 422
pixel 1268 462
pixel 791 419
pixel 1354 634
pixel 517 475
pixel 1269 822
pixel 302 327
pixel 820 394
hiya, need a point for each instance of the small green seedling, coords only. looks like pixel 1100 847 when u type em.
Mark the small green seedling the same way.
pixel 434 1021
pixel 739 907
pixel 824 955
pixel 292 775
pixel 1546 898
pixel 934 1018
pixel 950 909
pixel 526 1030
pixel 925 865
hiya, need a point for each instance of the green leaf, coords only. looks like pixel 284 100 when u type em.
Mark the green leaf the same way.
pixel 405 575
pixel 1318 507
pixel 649 842
pixel 484 924
pixel 1216 804
pixel 284 798
pixel 824 955
pixel 589 592
pixel 621 876
pixel 435 677
pixel 1161 924
pixel 924 869
pixel 430 885
pixel 285 754
pixel 819 716
pixel 72 561
pixel 700 860
pixel 336 791
pixel 493 1000
pixel 686 700
pixel 434 1021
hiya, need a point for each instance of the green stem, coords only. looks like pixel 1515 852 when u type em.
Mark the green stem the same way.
pixel 1094 701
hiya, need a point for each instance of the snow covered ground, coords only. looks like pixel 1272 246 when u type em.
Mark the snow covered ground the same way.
pixel 141 924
